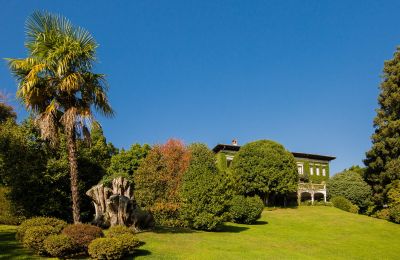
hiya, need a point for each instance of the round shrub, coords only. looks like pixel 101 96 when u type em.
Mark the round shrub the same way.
pixel 383 214
pixel 246 210
pixel 35 236
pixel 57 224
pixel 394 213
pixel 83 234
pixel 119 230
pixel 129 242
pixel 59 245
pixel 342 203
pixel 106 248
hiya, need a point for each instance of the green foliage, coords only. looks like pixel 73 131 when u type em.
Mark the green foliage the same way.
pixel 394 212
pixel 119 230
pixel 106 248
pixel 350 185
pixel 57 224
pixel 35 236
pixel 246 210
pixel 204 190
pixel 127 162
pixel 342 203
pixel 129 242
pixel 262 168
pixel 82 234
pixel 59 245
pixel 383 159
pixel 383 214
pixel 7 215
pixel 394 194
pixel 6 111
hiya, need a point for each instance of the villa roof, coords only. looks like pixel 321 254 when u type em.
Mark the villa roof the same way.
pixel 235 148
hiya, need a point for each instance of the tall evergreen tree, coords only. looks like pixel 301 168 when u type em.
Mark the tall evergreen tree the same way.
pixel 383 159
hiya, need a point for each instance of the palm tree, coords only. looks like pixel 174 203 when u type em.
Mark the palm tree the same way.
pixel 57 85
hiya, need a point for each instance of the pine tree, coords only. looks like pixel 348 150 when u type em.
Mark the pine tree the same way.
pixel 382 160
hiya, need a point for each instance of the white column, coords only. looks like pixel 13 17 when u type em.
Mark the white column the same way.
pixel 325 196
pixel 312 198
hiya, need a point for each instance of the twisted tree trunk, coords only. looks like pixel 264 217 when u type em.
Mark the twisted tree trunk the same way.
pixel 73 168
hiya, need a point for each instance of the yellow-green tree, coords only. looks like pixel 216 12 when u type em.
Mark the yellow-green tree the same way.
pixel 57 85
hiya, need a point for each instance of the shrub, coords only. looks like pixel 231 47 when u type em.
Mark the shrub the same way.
pixel 57 224
pixel 83 234
pixel 383 214
pixel 129 242
pixel 119 230
pixel 246 210
pixel 342 203
pixel 394 212
pixel 106 248
pixel 204 191
pixel 7 215
pixel 34 237
pixel 59 245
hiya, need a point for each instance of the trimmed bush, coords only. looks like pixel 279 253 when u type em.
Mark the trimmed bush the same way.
pixel 59 245
pixel 394 213
pixel 119 230
pixel 342 203
pixel 106 248
pixel 246 210
pixel 57 224
pixel 35 236
pixel 83 234
pixel 129 242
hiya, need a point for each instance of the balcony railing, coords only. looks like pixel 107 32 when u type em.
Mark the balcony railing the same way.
pixel 312 186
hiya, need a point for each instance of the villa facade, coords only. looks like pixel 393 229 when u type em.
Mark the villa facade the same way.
pixel 313 171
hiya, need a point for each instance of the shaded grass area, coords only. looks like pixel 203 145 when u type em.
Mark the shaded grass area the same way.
pixel 302 233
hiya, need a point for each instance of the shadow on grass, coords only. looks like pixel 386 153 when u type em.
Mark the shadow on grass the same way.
pixel 171 230
pixel 11 249
pixel 228 228
pixel 260 222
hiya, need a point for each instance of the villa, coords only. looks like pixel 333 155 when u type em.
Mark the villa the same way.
pixel 313 171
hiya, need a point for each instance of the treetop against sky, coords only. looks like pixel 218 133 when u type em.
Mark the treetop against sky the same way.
pixel 303 74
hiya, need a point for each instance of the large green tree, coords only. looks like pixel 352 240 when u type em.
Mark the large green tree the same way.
pixel 57 84
pixel 264 168
pixel 383 159
pixel 6 111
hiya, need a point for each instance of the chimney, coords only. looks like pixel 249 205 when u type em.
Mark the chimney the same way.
pixel 234 142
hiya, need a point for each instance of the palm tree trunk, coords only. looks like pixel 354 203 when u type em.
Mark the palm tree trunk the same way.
pixel 73 167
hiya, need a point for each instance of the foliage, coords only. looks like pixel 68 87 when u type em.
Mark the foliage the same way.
pixel 262 168
pixel 106 248
pixel 128 162
pixel 383 159
pixel 204 191
pixel 82 234
pixel 129 242
pixel 246 210
pixel 158 181
pixel 119 230
pixel 383 214
pixel 7 215
pixel 35 236
pixel 6 111
pixel 57 84
pixel 394 194
pixel 342 203
pixel 350 185
pixel 57 224
pixel 59 245
pixel 394 212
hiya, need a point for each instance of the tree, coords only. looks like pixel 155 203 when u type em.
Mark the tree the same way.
pixel 6 111
pixel 264 168
pixel 349 184
pixel 57 84
pixel 204 193
pixel 127 162
pixel 158 181
pixel 382 160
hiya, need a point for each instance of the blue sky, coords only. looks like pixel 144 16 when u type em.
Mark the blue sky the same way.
pixel 303 73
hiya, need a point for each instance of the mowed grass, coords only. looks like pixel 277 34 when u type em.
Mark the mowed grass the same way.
pixel 302 233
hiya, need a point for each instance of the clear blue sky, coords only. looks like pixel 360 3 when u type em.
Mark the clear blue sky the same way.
pixel 303 73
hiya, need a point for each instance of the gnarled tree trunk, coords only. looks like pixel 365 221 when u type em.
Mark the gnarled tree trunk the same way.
pixel 73 168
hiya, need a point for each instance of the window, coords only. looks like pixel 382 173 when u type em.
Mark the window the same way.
pixel 311 170
pixel 300 168
pixel 323 172
pixel 317 169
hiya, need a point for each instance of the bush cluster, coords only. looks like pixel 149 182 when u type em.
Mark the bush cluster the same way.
pixel 394 213
pixel 342 203
pixel 383 214
pixel 246 210
pixel 7 215
pixel 35 236
pixel 82 234
pixel 57 224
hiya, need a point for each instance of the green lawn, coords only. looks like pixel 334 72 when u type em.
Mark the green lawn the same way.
pixel 302 233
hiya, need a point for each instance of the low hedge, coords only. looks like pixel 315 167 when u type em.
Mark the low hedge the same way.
pixel 119 230
pixel 57 224
pixel 34 238
pixel 83 234
pixel 106 248
pixel 245 210
pixel 342 203
pixel 59 245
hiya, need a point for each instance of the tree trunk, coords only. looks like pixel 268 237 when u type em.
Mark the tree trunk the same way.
pixel 73 168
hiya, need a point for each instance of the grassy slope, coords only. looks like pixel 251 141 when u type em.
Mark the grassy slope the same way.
pixel 306 233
